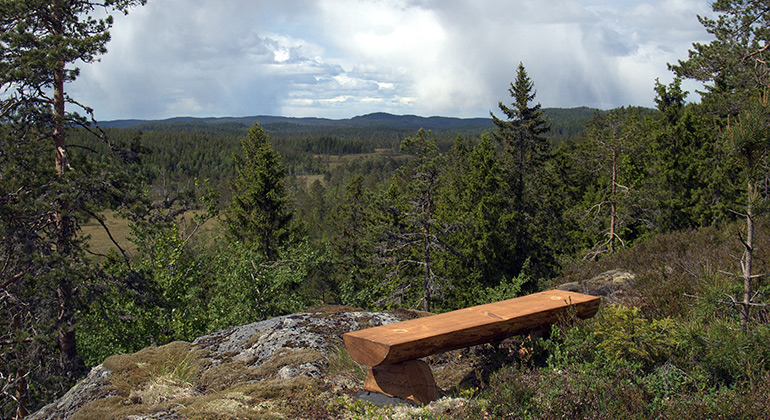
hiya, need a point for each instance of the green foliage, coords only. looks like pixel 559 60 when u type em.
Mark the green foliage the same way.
pixel 623 333
pixel 567 123
pixel 533 212
pixel 443 220
pixel 259 213
pixel 36 43
pixel 506 289
pixel 247 287
pixel 722 355
pixel 159 299
pixel 746 136
pixel 414 235
pixel 690 358
pixel 595 370
pixel 355 232
pixel 520 133
pixel 473 195
pixel 44 202
pixel 734 64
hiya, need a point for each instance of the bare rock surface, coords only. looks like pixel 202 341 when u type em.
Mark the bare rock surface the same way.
pixel 285 352
pixel 257 342
pixel 289 367
pixel 612 285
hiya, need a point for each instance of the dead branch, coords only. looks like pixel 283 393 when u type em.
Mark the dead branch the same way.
pixel 112 239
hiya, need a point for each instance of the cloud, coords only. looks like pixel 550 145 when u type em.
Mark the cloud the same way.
pixel 340 58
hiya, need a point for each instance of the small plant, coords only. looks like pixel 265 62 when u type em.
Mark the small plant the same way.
pixel 623 332
pixel 146 380
pixel 182 367
pixel 364 410
pixel 340 363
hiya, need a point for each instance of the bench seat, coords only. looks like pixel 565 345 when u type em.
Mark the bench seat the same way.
pixel 415 338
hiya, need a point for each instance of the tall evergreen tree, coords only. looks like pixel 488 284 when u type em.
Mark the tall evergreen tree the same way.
pixel 735 65
pixel 688 170
pixel 412 242
pixel 522 133
pixel 473 197
pixel 526 152
pixel 40 40
pixel 737 74
pixel 259 213
pixel 748 139
pixel 354 232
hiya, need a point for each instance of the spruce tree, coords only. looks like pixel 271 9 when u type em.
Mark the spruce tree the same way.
pixel 526 152
pixel 354 232
pixel 522 133
pixel 258 213
pixel 473 197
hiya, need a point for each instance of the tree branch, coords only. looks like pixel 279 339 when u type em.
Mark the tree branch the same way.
pixel 109 234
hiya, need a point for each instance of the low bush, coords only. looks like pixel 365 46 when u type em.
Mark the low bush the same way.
pixel 623 365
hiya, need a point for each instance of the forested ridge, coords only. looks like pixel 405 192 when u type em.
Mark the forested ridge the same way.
pixel 384 211
pixel 183 149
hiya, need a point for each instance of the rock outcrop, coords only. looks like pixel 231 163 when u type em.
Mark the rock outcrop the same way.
pixel 293 366
pixel 613 285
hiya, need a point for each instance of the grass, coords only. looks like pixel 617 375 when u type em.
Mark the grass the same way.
pixel 340 363
pixel 175 362
pixel 100 243
pixel 308 180
pixel 98 240
pixel 336 160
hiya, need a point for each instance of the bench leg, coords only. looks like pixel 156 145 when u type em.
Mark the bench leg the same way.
pixel 411 380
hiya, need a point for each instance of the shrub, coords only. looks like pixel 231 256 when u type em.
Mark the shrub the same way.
pixel 623 332
pixel 722 355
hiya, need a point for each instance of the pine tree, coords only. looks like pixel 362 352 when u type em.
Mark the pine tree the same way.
pixel 258 214
pixel 39 42
pixel 735 68
pixel 735 65
pixel 415 235
pixel 747 139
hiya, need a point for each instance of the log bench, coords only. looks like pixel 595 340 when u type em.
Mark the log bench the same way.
pixel 392 351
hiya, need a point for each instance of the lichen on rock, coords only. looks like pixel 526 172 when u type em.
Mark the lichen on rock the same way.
pixel 241 371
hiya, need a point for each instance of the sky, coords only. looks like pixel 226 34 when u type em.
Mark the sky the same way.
pixel 343 58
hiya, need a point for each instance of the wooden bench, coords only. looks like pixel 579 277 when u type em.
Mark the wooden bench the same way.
pixel 392 350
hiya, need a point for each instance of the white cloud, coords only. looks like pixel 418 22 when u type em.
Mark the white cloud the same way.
pixel 340 58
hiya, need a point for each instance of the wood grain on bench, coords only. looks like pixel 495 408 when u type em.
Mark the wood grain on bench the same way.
pixel 415 338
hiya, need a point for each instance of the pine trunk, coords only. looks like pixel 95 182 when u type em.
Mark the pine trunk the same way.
pixel 64 291
pixel 426 286
pixel 747 259
pixel 613 207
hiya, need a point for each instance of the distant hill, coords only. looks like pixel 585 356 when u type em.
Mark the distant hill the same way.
pixel 564 122
pixel 381 119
